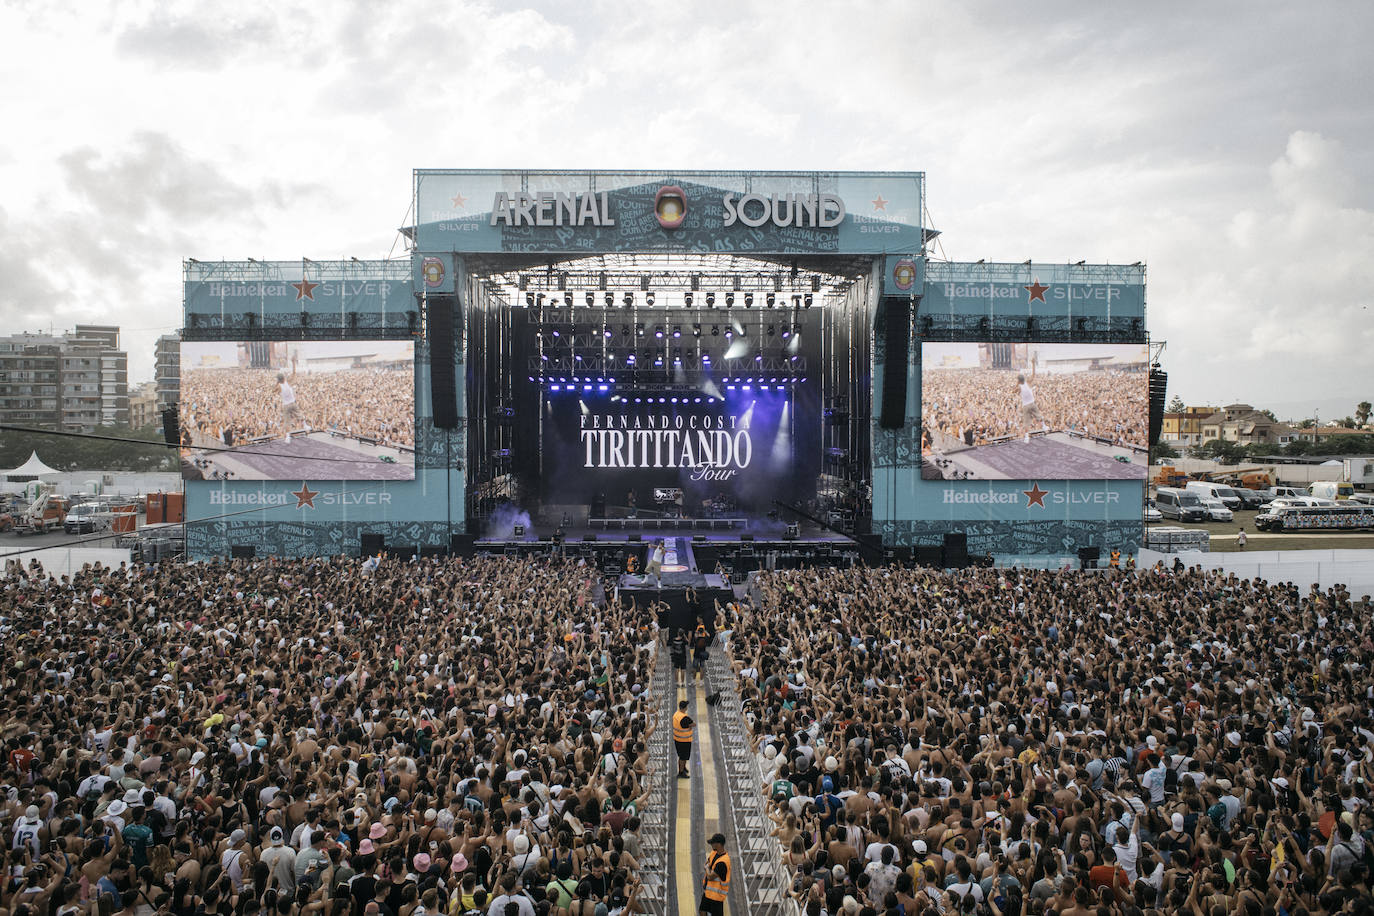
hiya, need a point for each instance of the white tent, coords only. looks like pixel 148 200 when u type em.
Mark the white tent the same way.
pixel 32 469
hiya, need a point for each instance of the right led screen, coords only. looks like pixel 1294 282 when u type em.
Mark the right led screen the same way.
pixel 1027 411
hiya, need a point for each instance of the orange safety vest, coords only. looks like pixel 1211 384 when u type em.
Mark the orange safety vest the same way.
pixel 716 888
pixel 681 732
pixel 1116 558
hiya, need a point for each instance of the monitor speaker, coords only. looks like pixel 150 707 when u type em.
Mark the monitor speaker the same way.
pixel 462 545
pixel 432 550
pixel 793 532
pixel 634 539
pixel 588 538
pixel 698 539
pixel 242 551
pixel 955 550
pixel 370 543
pixel 442 369
pixel 896 329
pixel 930 555
pixel 1088 556
pixel 746 537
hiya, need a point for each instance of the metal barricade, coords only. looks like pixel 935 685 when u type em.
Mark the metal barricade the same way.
pixel 653 832
pixel 760 869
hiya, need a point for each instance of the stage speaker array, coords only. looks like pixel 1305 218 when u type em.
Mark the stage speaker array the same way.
pixel 1088 556
pixel 462 545
pixel 443 383
pixel 171 426
pixel 896 328
pixel 955 552
pixel 371 543
pixel 1159 386
pixel 242 551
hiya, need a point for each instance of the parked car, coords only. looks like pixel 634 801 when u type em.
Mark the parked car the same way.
pixel 1180 505
pixel 85 518
pixel 1152 514
pixel 1251 499
pixel 1216 509
pixel 1207 489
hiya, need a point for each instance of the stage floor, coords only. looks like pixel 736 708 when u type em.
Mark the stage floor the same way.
pixel 312 456
pixel 1056 456
pixel 572 535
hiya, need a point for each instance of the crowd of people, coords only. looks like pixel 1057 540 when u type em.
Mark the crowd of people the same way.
pixel 1004 741
pixel 970 407
pixel 330 736
pixel 234 406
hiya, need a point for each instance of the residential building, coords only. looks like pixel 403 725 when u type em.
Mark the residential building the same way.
pixel 167 369
pixel 1316 433
pixel 1185 427
pixel 143 407
pixel 76 380
pixel 1244 424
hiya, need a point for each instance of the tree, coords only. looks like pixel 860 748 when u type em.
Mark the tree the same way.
pixel 1162 451
pixel 1362 411
pixel 1221 451
pixel 1270 415
pixel 1307 424
pixel 1177 405
pixel 1347 422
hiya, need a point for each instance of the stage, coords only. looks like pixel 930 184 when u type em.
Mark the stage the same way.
pixel 1054 455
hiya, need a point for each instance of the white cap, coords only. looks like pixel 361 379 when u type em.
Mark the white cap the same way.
pixel 522 845
pixel 919 846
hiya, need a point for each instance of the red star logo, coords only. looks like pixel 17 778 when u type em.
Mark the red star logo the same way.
pixel 305 290
pixel 459 201
pixel 1035 496
pixel 879 203
pixel 305 496
pixel 1036 290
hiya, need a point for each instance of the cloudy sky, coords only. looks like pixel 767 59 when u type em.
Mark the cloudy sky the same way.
pixel 1228 145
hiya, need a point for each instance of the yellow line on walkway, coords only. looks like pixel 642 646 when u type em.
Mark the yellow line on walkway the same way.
pixel 682 834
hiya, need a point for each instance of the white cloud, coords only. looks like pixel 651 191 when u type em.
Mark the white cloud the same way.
pixel 1227 146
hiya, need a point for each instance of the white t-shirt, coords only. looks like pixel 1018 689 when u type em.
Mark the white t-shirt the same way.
pixel 1027 396
pixel 288 394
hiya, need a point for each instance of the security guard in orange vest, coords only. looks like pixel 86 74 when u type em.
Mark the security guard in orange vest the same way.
pixel 1116 558
pixel 715 887
pixel 682 738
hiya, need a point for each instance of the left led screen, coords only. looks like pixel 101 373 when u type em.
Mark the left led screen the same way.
pixel 298 410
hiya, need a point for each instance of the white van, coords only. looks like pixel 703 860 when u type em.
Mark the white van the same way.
pixel 1229 498
pixel 1331 489
pixel 1284 492
pixel 1181 505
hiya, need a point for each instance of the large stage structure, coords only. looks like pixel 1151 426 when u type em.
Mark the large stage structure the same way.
pixel 762 367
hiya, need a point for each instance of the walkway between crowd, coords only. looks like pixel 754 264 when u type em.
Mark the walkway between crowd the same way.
pixel 720 797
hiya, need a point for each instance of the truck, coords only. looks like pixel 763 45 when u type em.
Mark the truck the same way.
pixel 1170 476
pixel 1360 472
pixel 44 514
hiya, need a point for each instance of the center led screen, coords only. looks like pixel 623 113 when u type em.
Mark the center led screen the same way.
pixel 667 455
pixel 298 410
pixel 1027 411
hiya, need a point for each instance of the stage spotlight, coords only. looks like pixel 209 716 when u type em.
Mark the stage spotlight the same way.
pixel 710 300
pixel 624 330
pixel 607 332
pixel 729 300
pixel 786 332
pixel 638 400
pixel 758 357
pixel 706 358
pixel 715 330
pixel 629 300
pixel 591 299
pixel 696 400
pixel 529 299
pixel 649 298
pixel 658 360
pixel 796 300
pixel 748 300
pixel 658 331
pixel 610 299
pixel 771 330
pixel 677 332
pixel 630 359
pixel 806 300
pixel 639 329
pixel 696 329
pixel 567 299
pixel 556 333
pixel 687 299
pixel 673 400
pixel 771 300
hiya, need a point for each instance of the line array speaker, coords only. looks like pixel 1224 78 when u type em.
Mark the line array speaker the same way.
pixel 442 371
pixel 896 328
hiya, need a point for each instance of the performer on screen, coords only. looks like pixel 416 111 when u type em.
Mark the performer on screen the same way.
pixel 1029 409
pixel 289 409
